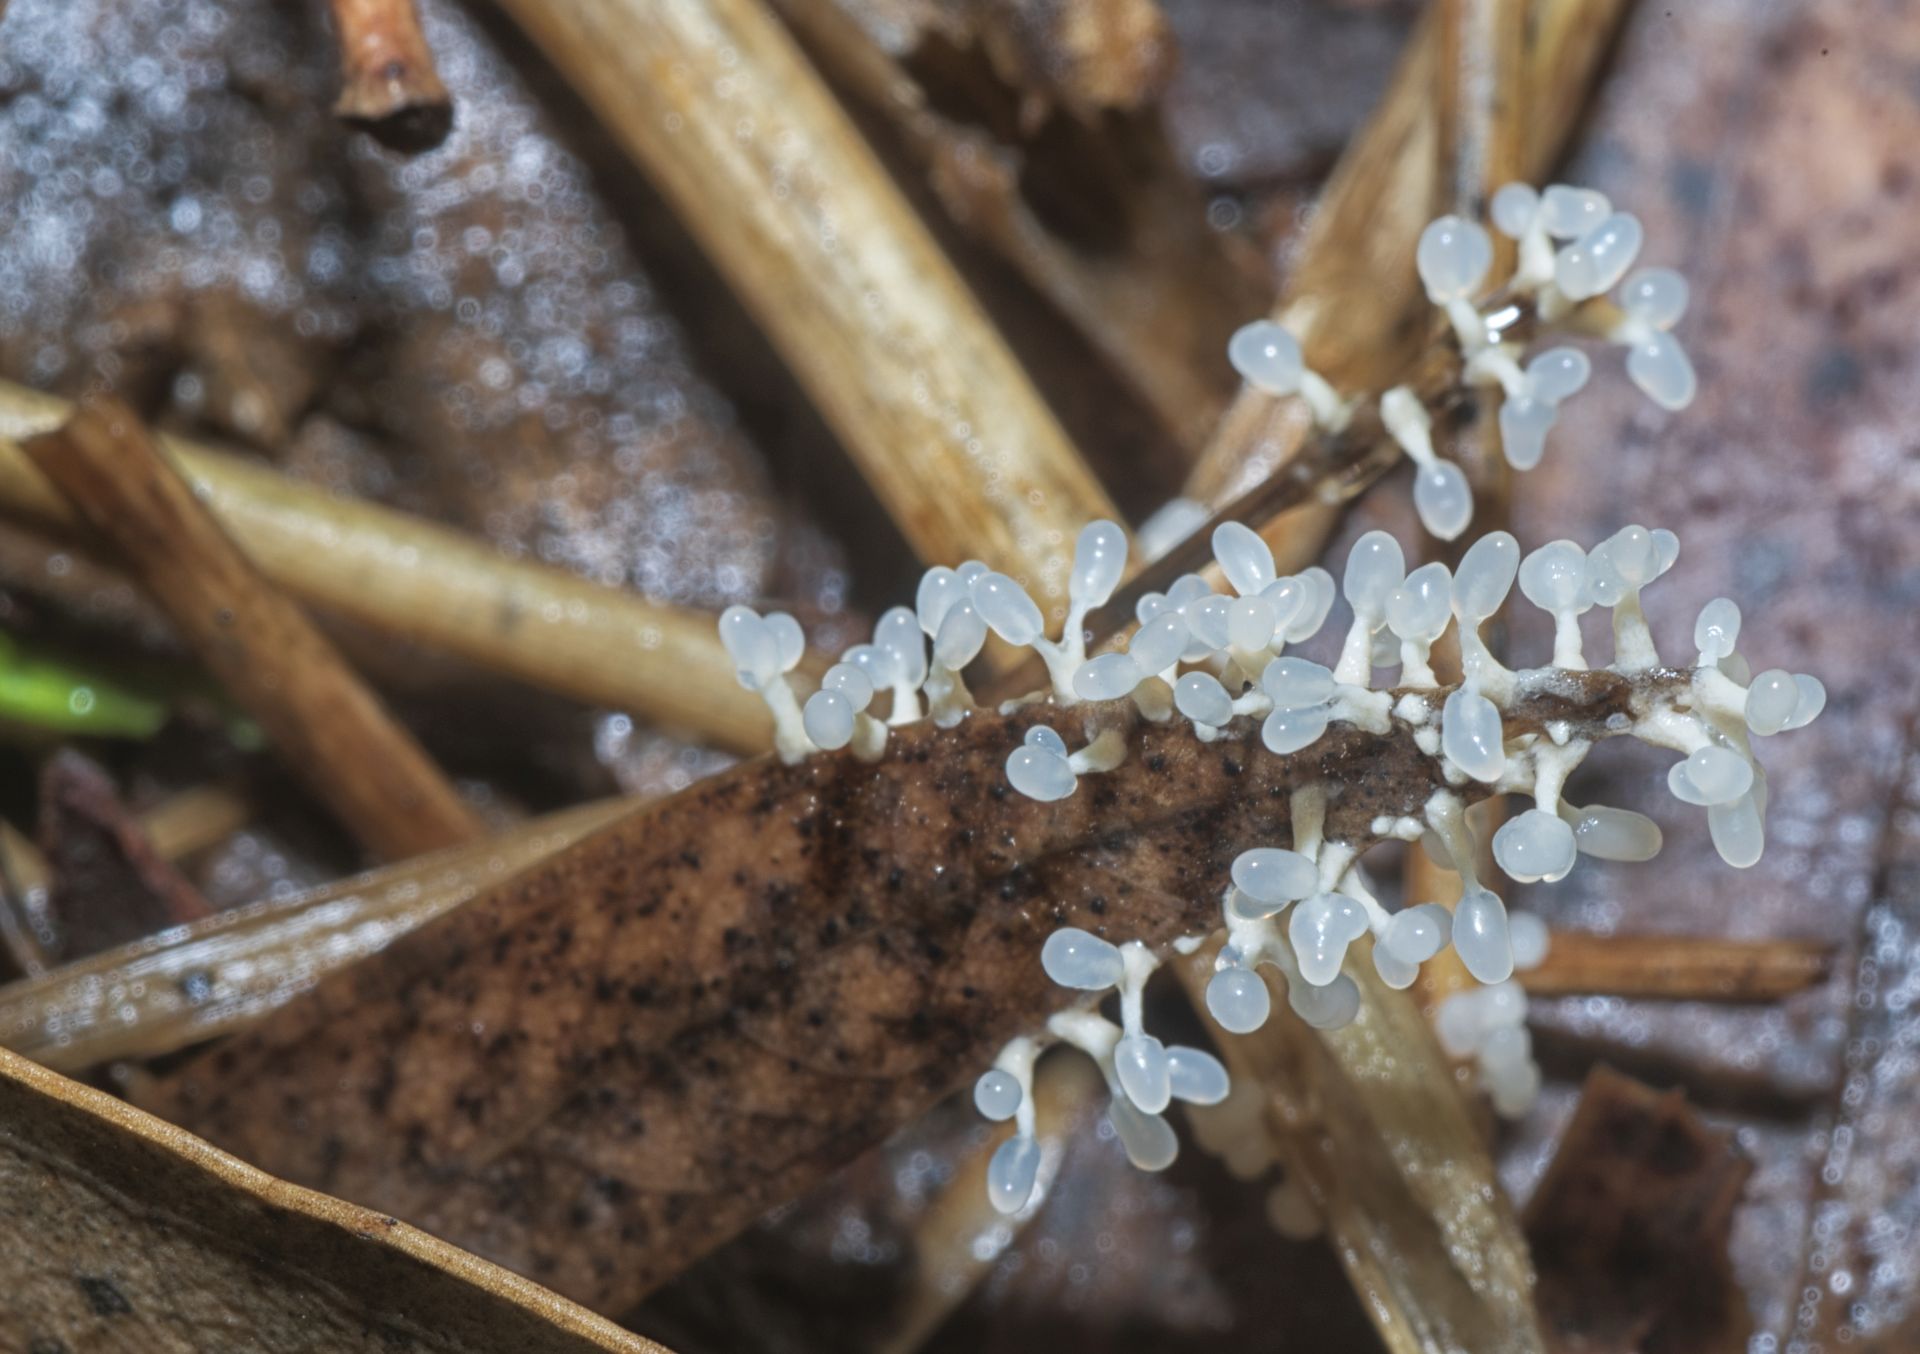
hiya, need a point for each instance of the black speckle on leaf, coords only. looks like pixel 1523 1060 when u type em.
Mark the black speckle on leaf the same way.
pixel 103 1297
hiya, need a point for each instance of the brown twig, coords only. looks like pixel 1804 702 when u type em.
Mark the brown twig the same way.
pixel 329 728
pixel 1484 99
pixel 388 82
pixel 715 102
pixel 1677 968
pixel 417 580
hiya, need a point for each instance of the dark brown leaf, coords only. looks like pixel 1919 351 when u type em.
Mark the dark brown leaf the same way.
pixel 606 1067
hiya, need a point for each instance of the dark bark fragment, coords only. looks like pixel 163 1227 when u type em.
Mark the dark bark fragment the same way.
pixel 107 885
pixel 1631 1225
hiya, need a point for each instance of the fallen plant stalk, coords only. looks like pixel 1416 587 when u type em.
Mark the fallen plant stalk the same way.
pixel 715 102
pixel 1367 1118
pixel 423 582
pixel 324 722
pixel 1353 299
pixel 194 983
pixel 1485 100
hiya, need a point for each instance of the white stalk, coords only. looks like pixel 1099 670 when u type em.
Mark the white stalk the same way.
pixel 1633 649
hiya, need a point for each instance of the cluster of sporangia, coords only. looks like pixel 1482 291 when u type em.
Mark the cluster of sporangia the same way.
pixel 1212 659
pixel 1561 291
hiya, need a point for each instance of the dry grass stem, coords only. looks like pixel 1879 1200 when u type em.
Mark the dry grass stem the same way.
pixel 1368 1119
pixel 1677 968
pixel 423 582
pixel 324 722
pixel 1353 298
pixel 715 102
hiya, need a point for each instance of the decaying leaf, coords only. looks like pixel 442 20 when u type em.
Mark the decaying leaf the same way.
pixel 1630 1227
pixel 127 1234
pixel 607 1066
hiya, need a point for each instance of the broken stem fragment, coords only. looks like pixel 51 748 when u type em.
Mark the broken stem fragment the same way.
pixel 1367 1121
pixel 329 727
pixel 1677 968
pixel 388 82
